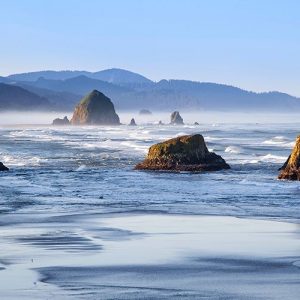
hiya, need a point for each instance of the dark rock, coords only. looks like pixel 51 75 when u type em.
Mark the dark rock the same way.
pixel 95 109
pixel 145 112
pixel 291 168
pixel 132 122
pixel 185 153
pixel 196 123
pixel 160 123
pixel 61 122
pixel 3 168
pixel 176 119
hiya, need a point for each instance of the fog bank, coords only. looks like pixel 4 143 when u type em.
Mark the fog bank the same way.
pixel 209 117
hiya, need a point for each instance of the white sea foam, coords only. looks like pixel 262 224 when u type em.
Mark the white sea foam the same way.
pixel 20 161
pixel 181 133
pixel 273 158
pixel 81 168
pixel 134 146
pixel 211 138
pixel 233 149
pixel 279 141
pixel 268 158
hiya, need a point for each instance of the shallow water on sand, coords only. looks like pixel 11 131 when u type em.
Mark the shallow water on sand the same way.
pixel 78 221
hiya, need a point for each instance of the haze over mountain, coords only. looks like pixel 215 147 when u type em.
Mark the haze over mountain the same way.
pixel 17 98
pixel 116 76
pixel 132 91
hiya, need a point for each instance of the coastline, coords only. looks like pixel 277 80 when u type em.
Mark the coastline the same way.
pixel 138 255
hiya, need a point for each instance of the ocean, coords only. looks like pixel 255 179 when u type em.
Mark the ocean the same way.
pixel 77 221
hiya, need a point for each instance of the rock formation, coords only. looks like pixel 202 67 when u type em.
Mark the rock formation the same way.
pixel 2 167
pixel 132 122
pixel 145 112
pixel 185 153
pixel 291 168
pixel 61 122
pixel 196 123
pixel 160 123
pixel 176 118
pixel 95 109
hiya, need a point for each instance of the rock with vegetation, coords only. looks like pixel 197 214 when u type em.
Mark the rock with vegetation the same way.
pixel 145 112
pixel 291 168
pixel 95 109
pixel 61 122
pixel 132 122
pixel 3 168
pixel 176 118
pixel 185 153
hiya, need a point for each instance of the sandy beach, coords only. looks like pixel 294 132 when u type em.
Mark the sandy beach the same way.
pixel 150 257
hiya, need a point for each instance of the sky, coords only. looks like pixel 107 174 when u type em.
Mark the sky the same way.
pixel 252 44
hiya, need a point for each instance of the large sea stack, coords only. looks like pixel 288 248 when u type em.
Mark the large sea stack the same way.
pixel 95 109
pixel 185 153
pixel 3 168
pixel 291 168
pixel 176 118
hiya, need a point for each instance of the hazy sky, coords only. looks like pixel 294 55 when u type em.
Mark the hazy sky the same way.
pixel 253 44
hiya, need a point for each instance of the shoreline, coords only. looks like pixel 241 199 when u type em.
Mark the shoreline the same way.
pixel 157 246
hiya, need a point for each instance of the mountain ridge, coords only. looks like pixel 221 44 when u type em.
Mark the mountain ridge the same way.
pixel 132 91
pixel 113 75
pixel 17 98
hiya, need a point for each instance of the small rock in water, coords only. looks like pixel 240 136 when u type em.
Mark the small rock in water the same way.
pixel 61 122
pixel 132 122
pixel 160 123
pixel 3 168
pixel 176 118
pixel 196 123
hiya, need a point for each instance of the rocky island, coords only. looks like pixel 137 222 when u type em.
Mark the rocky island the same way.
pixel 176 118
pixel 61 122
pixel 95 109
pixel 185 153
pixel 3 168
pixel 132 122
pixel 291 168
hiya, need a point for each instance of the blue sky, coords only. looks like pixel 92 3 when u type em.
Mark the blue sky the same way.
pixel 251 44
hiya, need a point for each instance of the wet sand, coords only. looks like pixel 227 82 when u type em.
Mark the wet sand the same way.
pixel 154 256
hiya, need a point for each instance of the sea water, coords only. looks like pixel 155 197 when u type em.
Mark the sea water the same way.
pixel 72 196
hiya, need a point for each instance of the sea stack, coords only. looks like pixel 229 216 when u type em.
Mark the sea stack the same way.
pixel 132 122
pixel 185 153
pixel 291 168
pixel 95 109
pixel 3 168
pixel 61 122
pixel 176 119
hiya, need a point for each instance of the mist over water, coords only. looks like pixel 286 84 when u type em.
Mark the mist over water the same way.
pixel 43 118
